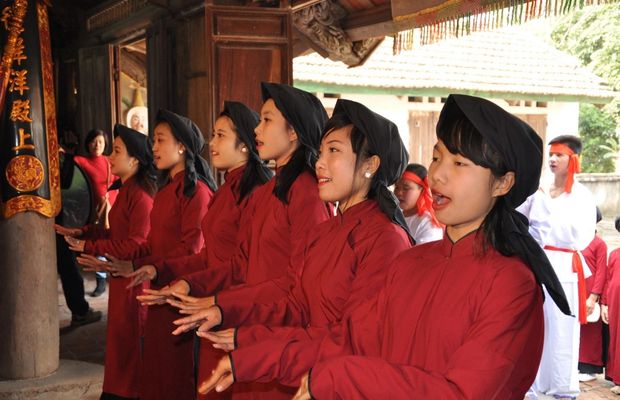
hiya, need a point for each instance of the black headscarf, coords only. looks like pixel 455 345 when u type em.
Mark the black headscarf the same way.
pixel 188 133
pixel 303 111
pixel 138 146
pixel 384 141
pixel 306 115
pixel 245 120
pixel 522 152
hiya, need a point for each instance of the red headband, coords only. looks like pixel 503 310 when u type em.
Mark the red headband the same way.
pixel 425 200
pixel 573 163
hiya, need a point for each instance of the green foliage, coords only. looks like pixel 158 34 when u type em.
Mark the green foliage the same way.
pixel 592 34
pixel 600 143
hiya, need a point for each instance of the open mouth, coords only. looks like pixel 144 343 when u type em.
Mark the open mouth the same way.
pixel 440 201
pixel 323 180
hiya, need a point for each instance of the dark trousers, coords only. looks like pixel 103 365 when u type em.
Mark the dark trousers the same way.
pixel 70 277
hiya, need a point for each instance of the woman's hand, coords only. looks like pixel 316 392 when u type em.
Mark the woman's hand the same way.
pixel 190 305
pixel 203 320
pixel 92 263
pixel 142 274
pixel 303 393
pixel 223 340
pixel 605 313
pixel 151 297
pixel 221 378
pixel 76 245
pixel 61 230
pixel 118 267
pixel 590 302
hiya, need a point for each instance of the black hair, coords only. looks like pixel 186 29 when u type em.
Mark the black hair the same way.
pixel 599 216
pixel 418 169
pixel 91 135
pixel 302 160
pixel 359 145
pixel 146 176
pixel 460 136
pixel 573 142
pixel 256 172
pixel 617 224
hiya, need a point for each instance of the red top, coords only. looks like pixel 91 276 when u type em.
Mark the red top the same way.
pixel 175 223
pixel 344 264
pixel 129 224
pixel 275 234
pixel 98 171
pixel 596 258
pixel 220 228
pixel 448 324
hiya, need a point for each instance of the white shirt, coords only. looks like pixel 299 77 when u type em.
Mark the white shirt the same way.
pixel 567 221
pixel 422 228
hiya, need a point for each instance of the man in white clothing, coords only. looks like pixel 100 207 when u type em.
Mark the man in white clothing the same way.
pixel 569 227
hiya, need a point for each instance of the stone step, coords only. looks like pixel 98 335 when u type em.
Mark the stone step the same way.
pixel 75 380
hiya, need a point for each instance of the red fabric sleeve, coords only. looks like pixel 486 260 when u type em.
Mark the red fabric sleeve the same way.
pixel 601 268
pixel 169 269
pixel 211 280
pixel 138 225
pixel 94 232
pixel 612 269
pixel 304 212
pixel 191 241
pixel 370 276
pixel 290 309
pixel 290 353
pixel 478 369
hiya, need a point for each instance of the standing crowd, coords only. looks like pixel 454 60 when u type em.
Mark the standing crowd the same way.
pixel 469 281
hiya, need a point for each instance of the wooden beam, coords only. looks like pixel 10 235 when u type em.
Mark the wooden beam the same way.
pixel 300 4
pixel 366 24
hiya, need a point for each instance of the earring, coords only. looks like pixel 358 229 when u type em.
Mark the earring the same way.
pixel 244 149
pixel 367 174
pixel 180 151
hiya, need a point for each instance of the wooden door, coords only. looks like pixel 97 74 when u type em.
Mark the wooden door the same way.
pixel 96 92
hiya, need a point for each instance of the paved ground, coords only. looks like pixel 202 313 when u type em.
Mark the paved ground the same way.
pixel 88 343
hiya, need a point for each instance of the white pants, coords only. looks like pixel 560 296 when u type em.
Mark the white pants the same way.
pixel 558 371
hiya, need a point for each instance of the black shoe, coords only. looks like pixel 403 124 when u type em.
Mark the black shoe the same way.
pixel 88 318
pixel 100 289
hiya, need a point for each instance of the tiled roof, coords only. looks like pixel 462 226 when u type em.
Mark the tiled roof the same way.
pixel 508 63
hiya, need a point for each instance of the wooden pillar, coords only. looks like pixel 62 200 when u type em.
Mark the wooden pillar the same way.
pixel 29 340
pixel 246 45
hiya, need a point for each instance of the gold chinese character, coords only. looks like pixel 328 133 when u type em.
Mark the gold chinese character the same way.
pixel 19 51
pixel 18 81
pixel 20 111
pixel 5 16
pixel 22 141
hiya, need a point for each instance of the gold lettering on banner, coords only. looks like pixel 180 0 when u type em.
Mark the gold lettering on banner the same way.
pixel 19 55
pixel 18 82
pixel 5 16
pixel 20 111
pixel 22 141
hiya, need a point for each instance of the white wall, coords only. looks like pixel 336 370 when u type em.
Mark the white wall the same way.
pixel 388 106
pixel 562 119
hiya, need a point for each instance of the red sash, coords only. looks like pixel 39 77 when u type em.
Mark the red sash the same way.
pixel 581 280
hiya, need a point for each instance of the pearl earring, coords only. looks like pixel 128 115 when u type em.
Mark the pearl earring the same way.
pixel 180 151
pixel 367 175
pixel 244 149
